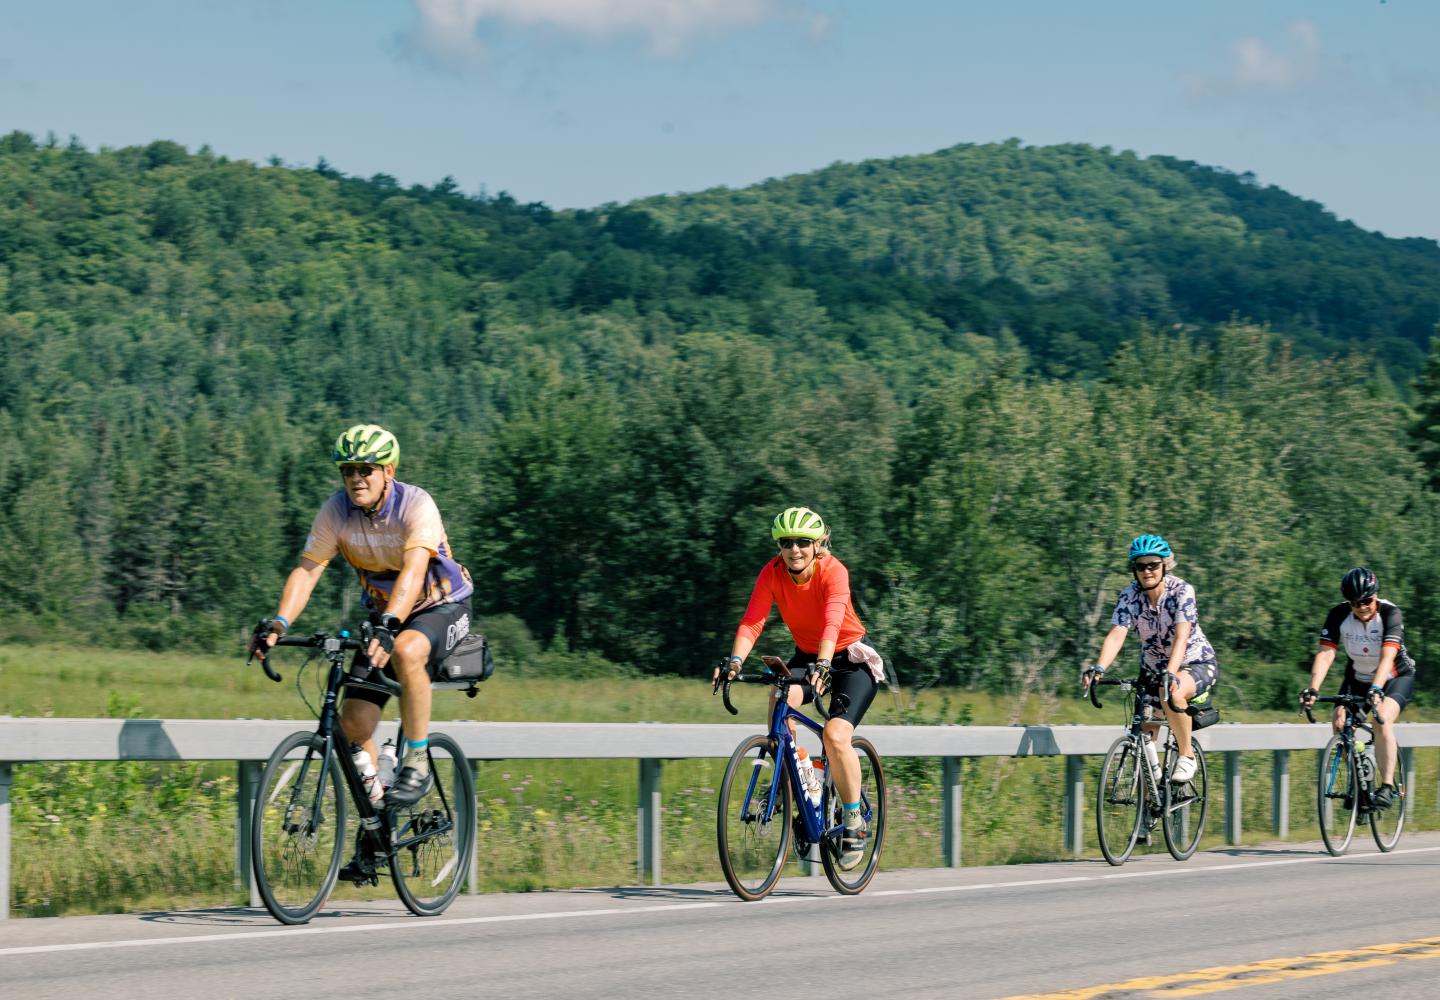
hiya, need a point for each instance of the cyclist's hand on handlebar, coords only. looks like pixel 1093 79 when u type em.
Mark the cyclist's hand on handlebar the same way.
pixel 819 677
pixel 725 670
pixel 267 630
pixel 1089 675
pixel 1375 696
pixel 382 644
pixel 1308 696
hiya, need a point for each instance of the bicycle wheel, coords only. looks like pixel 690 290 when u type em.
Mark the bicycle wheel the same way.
pixel 752 819
pixel 1183 806
pixel 433 840
pixel 1119 800
pixel 1336 795
pixel 872 805
pixel 1386 824
pixel 297 829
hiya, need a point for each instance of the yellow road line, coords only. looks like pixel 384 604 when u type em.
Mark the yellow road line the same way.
pixel 1271 970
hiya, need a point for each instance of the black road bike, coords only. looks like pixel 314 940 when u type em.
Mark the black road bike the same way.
pixel 1348 779
pixel 1135 793
pixel 297 828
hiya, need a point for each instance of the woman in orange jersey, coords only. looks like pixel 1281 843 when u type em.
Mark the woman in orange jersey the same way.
pixel 812 589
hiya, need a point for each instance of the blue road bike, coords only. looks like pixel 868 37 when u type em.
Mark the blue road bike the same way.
pixel 764 803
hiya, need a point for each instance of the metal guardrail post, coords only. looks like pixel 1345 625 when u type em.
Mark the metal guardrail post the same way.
pixel 1280 793
pixel 952 782
pixel 1233 819
pixel 1074 804
pixel 247 784
pixel 647 814
pixel 6 773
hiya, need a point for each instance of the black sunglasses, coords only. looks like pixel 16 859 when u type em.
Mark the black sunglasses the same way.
pixel 363 471
pixel 796 543
pixel 1364 602
pixel 1146 567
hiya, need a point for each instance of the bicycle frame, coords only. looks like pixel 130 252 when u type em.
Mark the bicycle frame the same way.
pixel 812 816
pixel 374 822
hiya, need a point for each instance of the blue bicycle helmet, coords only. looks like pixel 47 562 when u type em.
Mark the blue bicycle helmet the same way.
pixel 1150 545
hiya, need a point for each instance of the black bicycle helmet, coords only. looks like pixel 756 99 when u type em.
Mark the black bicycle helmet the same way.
pixel 1359 585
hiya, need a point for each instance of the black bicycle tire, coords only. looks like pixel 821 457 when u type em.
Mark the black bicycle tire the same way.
pixel 1179 851
pixel 1321 797
pixel 725 808
pixel 282 911
pixel 1399 806
pixel 841 880
pixel 460 802
pixel 1124 743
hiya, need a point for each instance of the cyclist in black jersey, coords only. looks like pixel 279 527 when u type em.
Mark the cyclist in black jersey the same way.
pixel 1377 665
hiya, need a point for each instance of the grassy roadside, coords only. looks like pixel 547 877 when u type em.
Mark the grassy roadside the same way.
pixel 91 837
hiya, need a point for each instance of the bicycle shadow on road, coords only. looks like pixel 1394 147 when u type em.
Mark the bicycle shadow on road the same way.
pixel 682 893
pixel 236 916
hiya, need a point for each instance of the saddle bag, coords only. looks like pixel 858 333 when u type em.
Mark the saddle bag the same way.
pixel 1202 716
pixel 470 660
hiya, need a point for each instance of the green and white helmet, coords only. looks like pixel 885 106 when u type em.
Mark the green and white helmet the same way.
pixel 797 522
pixel 367 443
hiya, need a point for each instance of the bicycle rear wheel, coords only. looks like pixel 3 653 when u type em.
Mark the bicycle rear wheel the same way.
pixel 1184 805
pixel 1387 824
pixel 1119 800
pixel 433 840
pixel 752 819
pixel 1337 795
pixel 297 830
pixel 872 806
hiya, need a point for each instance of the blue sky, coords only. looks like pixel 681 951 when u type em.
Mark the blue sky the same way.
pixel 580 102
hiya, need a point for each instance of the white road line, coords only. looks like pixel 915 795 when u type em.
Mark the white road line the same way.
pixel 393 927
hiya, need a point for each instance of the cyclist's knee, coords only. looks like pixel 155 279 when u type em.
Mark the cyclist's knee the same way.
pixel 837 735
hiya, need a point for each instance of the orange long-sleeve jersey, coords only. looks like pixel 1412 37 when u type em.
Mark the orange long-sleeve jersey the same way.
pixel 816 610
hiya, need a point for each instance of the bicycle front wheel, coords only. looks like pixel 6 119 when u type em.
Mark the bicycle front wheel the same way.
pixel 1120 800
pixel 297 829
pixel 752 819
pixel 1386 824
pixel 872 807
pixel 432 841
pixel 1184 804
pixel 1337 795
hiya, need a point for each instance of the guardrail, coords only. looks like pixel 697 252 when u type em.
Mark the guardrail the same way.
pixel 249 743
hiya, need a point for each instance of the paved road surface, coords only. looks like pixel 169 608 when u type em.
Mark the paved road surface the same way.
pixel 1255 923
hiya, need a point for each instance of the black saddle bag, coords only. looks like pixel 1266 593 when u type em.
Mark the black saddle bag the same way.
pixel 1202 717
pixel 470 660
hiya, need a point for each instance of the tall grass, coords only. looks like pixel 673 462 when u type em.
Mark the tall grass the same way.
pixel 104 837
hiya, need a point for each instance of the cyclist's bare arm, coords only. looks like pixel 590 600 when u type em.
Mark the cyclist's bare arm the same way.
pixel 1110 648
pixel 299 585
pixel 1320 666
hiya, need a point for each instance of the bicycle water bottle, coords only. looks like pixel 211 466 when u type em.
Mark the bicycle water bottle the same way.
pixel 807 770
pixel 389 764
pixel 817 766
pixel 1152 758
pixel 369 777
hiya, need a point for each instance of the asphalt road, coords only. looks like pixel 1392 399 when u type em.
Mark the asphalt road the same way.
pixel 1257 923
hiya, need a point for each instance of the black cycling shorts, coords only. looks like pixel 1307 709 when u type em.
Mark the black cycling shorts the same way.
pixel 852 686
pixel 443 624
pixel 1402 689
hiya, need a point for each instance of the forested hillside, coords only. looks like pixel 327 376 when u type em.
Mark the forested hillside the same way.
pixel 988 368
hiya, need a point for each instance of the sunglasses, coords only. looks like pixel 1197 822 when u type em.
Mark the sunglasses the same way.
pixel 1146 567
pixel 363 471
pixel 1364 603
pixel 796 543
